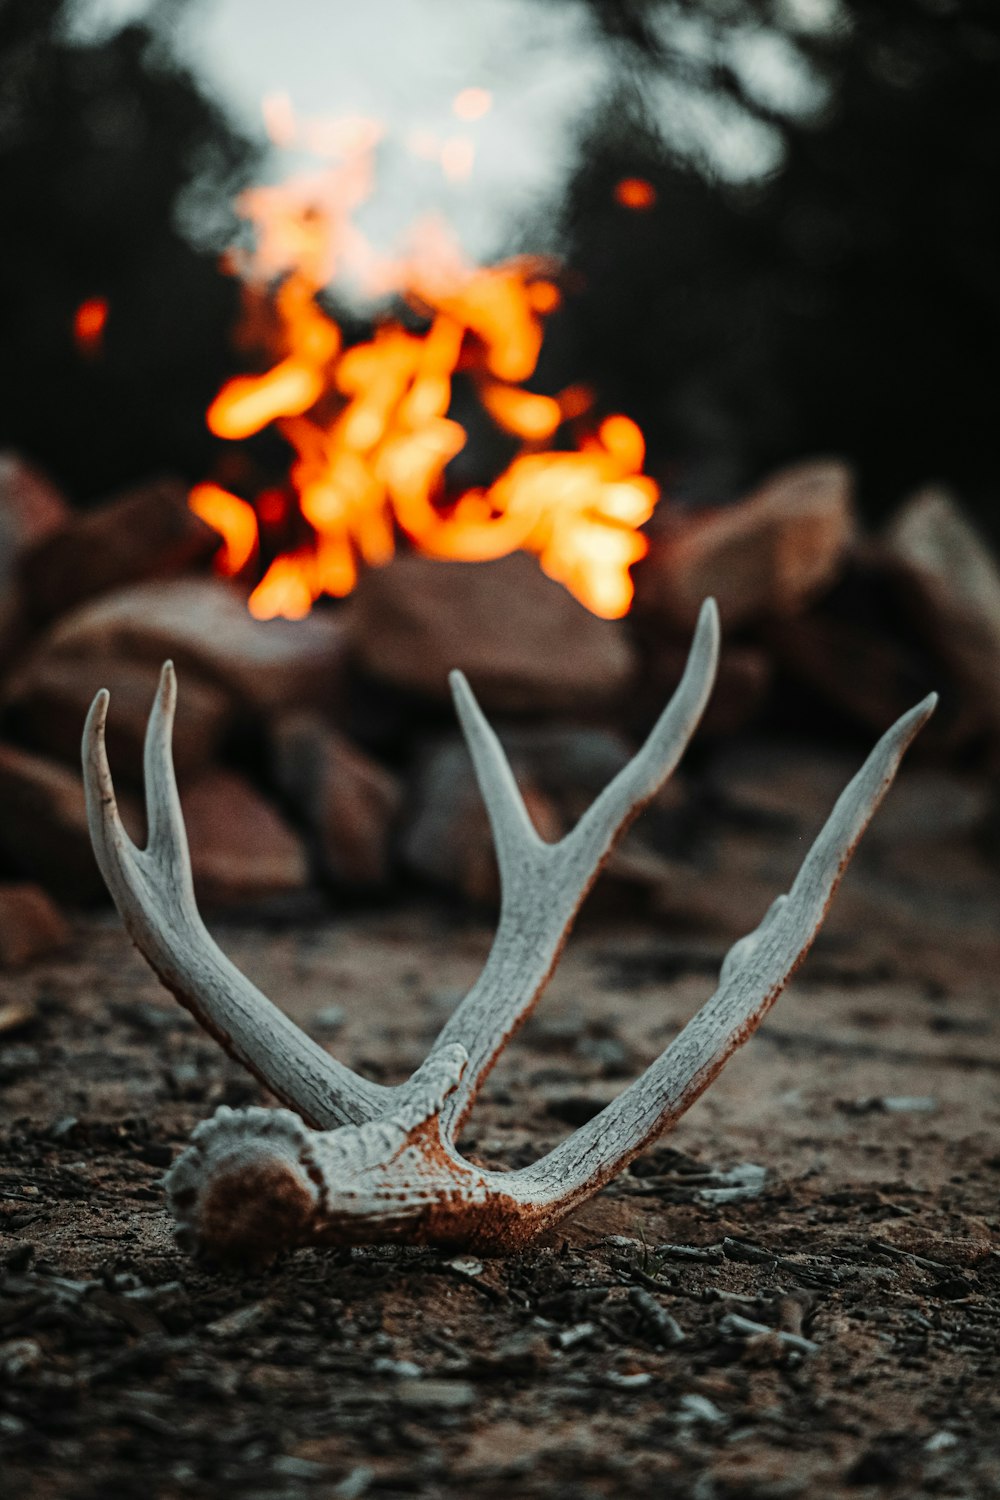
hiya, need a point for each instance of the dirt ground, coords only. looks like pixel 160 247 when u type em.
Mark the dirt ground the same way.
pixel 837 1187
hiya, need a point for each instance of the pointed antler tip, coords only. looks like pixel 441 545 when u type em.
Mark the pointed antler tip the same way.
pixel 98 712
pixel 710 621
pixel 166 696
pixel 461 693
pixel 915 719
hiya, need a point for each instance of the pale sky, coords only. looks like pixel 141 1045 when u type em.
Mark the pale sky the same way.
pixel 403 61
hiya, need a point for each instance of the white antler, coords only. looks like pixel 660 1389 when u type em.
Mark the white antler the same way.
pixel 256 1181
pixel 543 885
pixel 154 893
pixel 754 973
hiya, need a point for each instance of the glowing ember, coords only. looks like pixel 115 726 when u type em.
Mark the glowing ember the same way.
pixel 89 322
pixel 370 425
pixel 635 192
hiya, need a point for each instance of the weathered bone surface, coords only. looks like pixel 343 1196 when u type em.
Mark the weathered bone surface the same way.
pixel 384 1163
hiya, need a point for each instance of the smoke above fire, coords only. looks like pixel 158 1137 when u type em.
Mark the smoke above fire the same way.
pixel 371 425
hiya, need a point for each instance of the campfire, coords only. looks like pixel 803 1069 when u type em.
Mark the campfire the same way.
pixel 393 504
pixel 373 426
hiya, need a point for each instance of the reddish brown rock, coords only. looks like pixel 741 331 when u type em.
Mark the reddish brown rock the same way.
pixel 31 925
pixel 205 626
pixel 31 510
pixel 347 802
pixel 862 672
pixel 43 824
pixel 765 556
pixel 149 532
pixel 241 850
pixel 950 584
pixel 47 703
pixel 525 644
pixel 742 685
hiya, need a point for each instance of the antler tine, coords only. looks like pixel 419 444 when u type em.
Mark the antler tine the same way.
pixel 753 975
pixel 165 831
pixel 154 893
pixel 542 885
pixel 514 835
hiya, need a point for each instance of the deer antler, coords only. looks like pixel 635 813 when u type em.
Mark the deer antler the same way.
pixel 154 893
pixel 256 1181
pixel 542 886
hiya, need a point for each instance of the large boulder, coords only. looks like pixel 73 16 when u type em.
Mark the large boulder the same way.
pixel 242 851
pixel 950 584
pixel 346 801
pixel 762 557
pixel 43 824
pixel 31 925
pixel 205 626
pixel 525 644
pixel 46 704
pixel 148 532
pixel 31 511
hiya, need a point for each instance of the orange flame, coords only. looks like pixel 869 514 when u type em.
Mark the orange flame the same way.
pixel 370 426
pixel 635 192
pixel 89 322
pixel 233 518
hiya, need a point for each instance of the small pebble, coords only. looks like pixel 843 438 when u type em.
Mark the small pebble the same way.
pixel 299 1468
pixel 443 1395
pixel 578 1334
pixel 700 1409
pixel 629 1382
pixel 17 1356
pixel 465 1265
pixel 402 1369
pixel 940 1442
pixel 330 1019
pixel 355 1484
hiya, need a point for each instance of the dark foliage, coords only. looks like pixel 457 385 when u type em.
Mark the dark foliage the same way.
pixel 847 303
pixel 99 144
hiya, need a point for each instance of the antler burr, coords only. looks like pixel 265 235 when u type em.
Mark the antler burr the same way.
pixel 351 1161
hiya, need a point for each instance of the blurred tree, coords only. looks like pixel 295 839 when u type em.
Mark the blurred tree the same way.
pixel 843 294
pixel 104 146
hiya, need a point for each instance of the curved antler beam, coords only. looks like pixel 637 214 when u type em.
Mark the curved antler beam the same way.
pixel 753 975
pixel 255 1182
